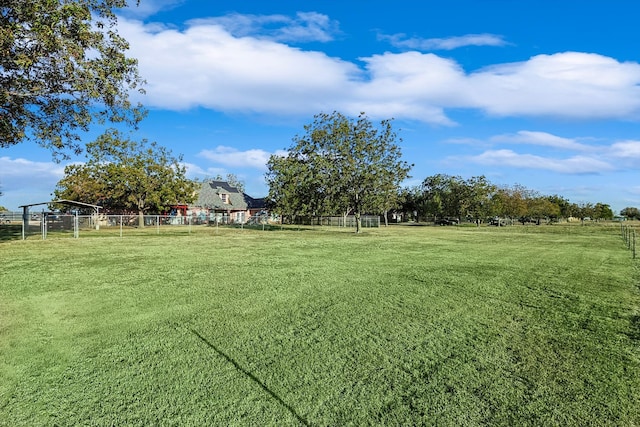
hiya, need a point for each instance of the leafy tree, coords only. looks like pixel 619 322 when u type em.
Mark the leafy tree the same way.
pixel 121 174
pixel 602 211
pixel 62 67
pixel 631 212
pixel 563 204
pixel 285 193
pixel 390 198
pixel 340 165
pixel 478 192
pixel 452 196
pixel 439 195
pixel 511 202
pixel 540 207
pixel 586 210
pixel 412 202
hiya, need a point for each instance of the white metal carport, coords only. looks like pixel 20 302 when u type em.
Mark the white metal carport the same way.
pixel 25 215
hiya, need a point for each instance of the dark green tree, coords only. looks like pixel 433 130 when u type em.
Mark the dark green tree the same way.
pixel 631 212
pixel 339 166
pixel 126 175
pixel 602 211
pixel 63 66
pixel 452 196
pixel 412 202
pixel 438 198
pixel 478 192
pixel 586 210
pixel 563 204
pixel 287 191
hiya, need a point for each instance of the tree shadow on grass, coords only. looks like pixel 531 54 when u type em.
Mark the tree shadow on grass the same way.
pixel 252 377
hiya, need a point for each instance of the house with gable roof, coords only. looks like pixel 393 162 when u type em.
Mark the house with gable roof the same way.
pixel 221 203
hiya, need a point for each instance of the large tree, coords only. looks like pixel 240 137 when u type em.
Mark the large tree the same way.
pixel 631 212
pixel 452 196
pixel 126 175
pixel 62 67
pixel 339 166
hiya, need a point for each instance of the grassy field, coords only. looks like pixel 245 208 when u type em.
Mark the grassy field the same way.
pixel 396 326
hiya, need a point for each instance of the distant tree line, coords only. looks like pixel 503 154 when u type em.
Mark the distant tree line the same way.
pixel 446 196
pixel 344 166
pixel 630 213
pixel 340 167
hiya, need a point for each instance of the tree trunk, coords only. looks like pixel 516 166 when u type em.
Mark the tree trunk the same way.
pixel 358 222
pixel 140 219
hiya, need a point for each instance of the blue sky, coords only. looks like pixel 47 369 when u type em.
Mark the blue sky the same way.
pixel 545 93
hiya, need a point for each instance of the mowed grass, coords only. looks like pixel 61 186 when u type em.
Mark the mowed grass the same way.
pixel 396 326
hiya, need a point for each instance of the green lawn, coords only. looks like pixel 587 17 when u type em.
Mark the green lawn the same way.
pixel 396 326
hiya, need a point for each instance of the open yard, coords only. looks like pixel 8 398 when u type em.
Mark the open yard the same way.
pixel 396 326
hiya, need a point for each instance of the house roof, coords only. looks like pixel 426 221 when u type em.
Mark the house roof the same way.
pixel 209 197
pixel 259 203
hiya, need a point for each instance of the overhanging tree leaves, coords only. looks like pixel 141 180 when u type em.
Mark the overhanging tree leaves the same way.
pixel 339 166
pixel 62 67
pixel 125 175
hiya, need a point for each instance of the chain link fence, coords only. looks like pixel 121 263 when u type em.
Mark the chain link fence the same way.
pixel 47 224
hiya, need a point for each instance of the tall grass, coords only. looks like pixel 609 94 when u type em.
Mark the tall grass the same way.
pixel 398 326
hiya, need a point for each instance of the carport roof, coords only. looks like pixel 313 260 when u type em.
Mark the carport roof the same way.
pixel 63 201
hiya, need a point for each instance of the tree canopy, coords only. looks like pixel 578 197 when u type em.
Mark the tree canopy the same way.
pixel 125 175
pixel 339 166
pixel 476 198
pixel 631 212
pixel 63 67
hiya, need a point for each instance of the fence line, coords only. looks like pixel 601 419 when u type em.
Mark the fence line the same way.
pixel 47 223
pixel 629 237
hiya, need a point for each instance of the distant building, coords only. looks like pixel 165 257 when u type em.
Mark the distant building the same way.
pixel 219 202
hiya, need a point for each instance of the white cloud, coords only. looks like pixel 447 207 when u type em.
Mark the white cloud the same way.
pixel 626 154
pixel 572 165
pixel 149 7
pixel 208 65
pixel 195 171
pixel 541 139
pixel 626 150
pixel 571 84
pixel 304 27
pixel 24 181
pixel 229 156
pixel 446 43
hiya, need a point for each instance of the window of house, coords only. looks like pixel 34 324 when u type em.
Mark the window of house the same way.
pixel 225 198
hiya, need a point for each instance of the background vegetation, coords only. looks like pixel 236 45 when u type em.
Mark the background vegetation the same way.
pixel 341 166
pixel 443 195
pixel 401 325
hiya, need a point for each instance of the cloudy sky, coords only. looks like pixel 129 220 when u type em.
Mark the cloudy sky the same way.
pixel 543 93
